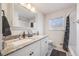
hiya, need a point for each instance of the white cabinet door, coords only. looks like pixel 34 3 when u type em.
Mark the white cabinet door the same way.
pixel 34 49
pixel 44 46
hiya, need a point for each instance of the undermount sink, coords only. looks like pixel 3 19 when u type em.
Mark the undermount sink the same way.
pixel 16 42
pixel 19 41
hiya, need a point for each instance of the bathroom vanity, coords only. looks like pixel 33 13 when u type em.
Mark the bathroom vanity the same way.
pixel 32 46
pixel 21 20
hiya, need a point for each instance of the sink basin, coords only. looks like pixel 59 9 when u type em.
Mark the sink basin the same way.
pixel 19 42
pixel 8 42
pixel 16 42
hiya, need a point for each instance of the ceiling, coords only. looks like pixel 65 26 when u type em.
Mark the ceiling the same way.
pixel 46 8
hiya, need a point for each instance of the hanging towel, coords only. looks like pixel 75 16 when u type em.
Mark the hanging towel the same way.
pixel 5 25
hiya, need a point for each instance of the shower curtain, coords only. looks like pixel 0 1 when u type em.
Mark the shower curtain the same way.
pixel 66 36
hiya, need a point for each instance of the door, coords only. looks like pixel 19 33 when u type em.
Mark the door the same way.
pixel 34 49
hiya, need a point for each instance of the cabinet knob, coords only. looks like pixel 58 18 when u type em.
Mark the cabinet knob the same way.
pixel 31 53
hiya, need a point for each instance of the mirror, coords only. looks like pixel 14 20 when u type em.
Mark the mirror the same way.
pixel 23 16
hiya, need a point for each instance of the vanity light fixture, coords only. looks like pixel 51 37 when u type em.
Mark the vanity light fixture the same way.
pixel 23 4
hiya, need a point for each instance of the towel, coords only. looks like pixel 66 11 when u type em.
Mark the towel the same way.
pixel 5 26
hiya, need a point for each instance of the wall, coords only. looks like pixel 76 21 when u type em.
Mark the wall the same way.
pixel 77 49
pixel 56 37
pixel 0 29
pixel 72 40
pixel 39 23
pixel 77 24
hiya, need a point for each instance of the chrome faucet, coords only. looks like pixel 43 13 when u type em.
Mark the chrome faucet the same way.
pixel 30 33
pixel 23 35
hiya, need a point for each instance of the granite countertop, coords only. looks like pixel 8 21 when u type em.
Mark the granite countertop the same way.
pixel 12 46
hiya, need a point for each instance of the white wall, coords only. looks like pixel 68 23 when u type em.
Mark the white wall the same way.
pixel 72 40
pixel 57 37
pixel 0 29
pixel 77 49
pixel 77 24
pixel 39 23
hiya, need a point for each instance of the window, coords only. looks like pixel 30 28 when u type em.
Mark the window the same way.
pixel 56 23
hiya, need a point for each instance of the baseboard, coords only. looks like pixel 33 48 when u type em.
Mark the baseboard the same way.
pixel 71 51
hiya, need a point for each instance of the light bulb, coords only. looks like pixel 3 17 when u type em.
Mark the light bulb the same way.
pixel 22 4
pixel 33 9
pixel 29 6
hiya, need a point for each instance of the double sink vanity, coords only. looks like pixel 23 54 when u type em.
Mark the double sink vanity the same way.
pixel 30 46
pixel 22 19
